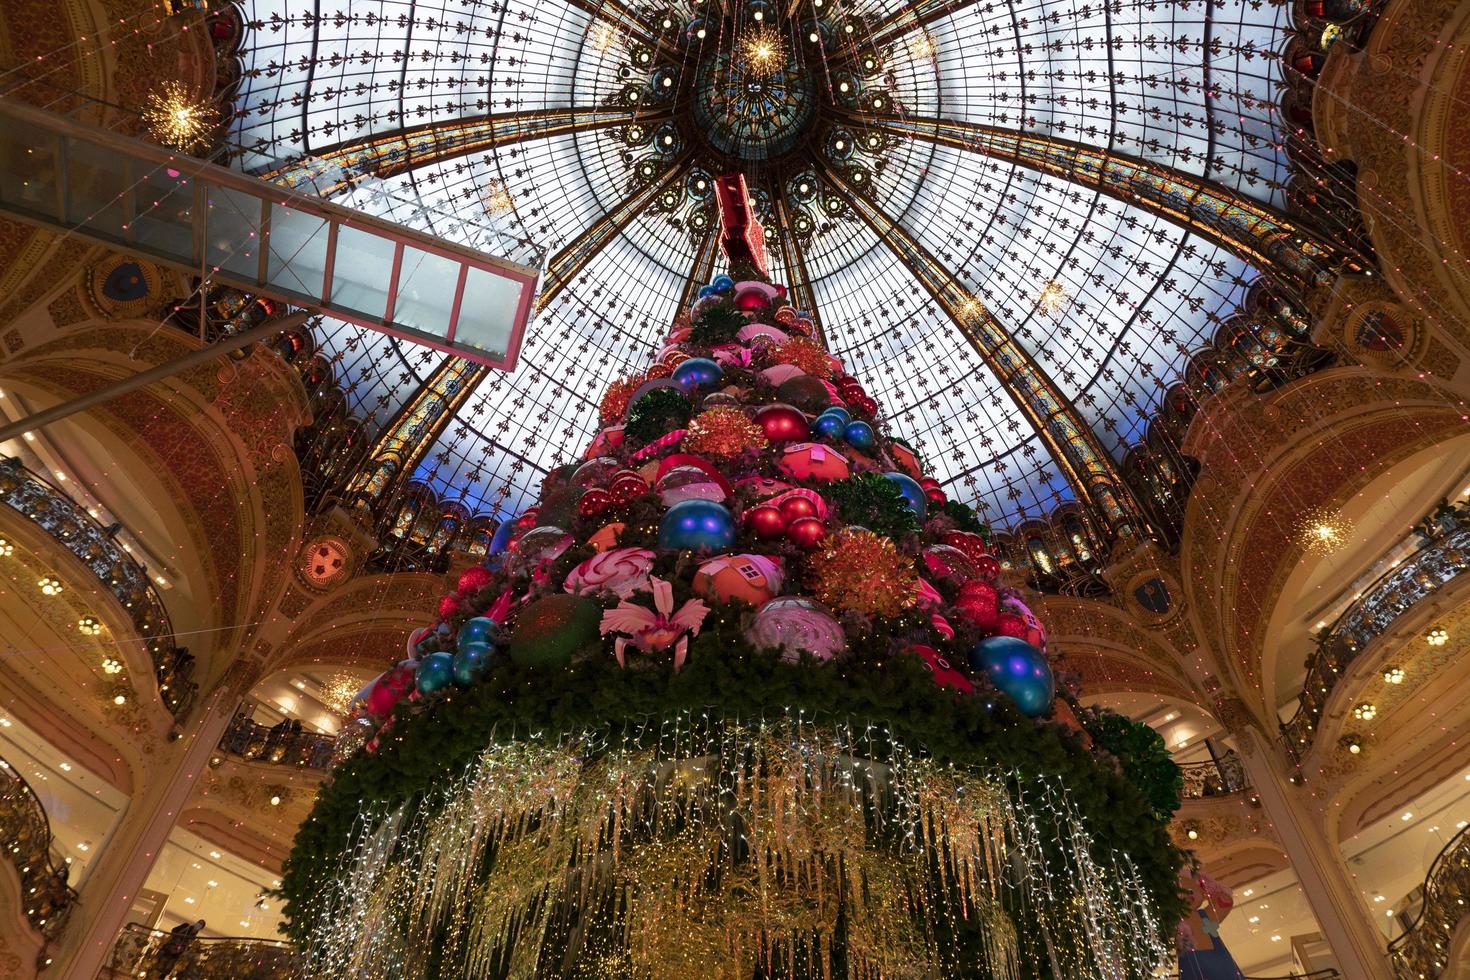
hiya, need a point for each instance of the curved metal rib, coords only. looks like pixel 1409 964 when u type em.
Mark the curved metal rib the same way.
pixel 1093 474
pixel 1253 231
pixel 568 263
pixel 386 155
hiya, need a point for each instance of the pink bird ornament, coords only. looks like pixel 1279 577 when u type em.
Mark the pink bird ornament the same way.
pixel 652 630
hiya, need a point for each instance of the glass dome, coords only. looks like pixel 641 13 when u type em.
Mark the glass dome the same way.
pixel 582 136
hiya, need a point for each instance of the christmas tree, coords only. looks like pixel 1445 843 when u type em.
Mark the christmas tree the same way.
pixel 743 695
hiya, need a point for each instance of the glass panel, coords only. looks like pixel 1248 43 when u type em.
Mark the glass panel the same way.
pixel 298 251
pixel 426 286
pixel 232 234
pixel 28 165
pixel 96 188
pixel 163 220
pixel 488 312
pixel 361 271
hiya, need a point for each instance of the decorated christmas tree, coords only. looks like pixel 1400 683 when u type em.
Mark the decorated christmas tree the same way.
pixel 744 695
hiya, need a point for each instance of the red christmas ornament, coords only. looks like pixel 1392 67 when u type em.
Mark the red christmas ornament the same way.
pixel 448 607
pixel 473 579
pixel 530 518
pixel 944 674
pixel 766 522
pixel 806 532
pixel 595 501
pixel 973 545
pixel 783 423
pixel 627 486
pixel 978 603
pixel 987 567
pixel 1009 624
pixel 795 508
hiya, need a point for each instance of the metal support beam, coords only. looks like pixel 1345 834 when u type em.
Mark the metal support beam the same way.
pixel 331 169
pixel 225 345
pixel 417 426
pixel 703 269
pixel 794 260
pixel 1093 474
pixel 1255 232
pixel 568 263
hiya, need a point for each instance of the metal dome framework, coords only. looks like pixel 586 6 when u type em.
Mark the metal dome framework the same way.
pixel 1048 207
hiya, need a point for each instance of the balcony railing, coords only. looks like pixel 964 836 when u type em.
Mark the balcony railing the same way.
pixel 1423 952
pixel 1443 554
pixel 280 744
pixel 26 835
pixel 149 953
pixel 1217 777
pixel 78 532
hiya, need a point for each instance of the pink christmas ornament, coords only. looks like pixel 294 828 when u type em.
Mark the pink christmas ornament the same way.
pixel 944 673
pixel 797 626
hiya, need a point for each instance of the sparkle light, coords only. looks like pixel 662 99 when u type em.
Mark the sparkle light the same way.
pixel 338 692
pixel 1323 532
pixel 1053 298
pixel 922 47
pixel 762 53
pixel 175 119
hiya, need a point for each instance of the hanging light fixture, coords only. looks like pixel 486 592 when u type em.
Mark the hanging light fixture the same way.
pixel 50 585
pixel 1437 636
pixel 89 626
pixel 1323 532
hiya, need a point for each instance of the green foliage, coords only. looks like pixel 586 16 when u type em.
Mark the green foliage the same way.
pixel 659 411
pixel 725 677
pixel 1145 758
pixel 964 518
pixel 872 501
pixel 716 325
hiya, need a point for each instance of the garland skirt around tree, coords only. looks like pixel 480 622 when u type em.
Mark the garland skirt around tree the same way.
pixel 743 696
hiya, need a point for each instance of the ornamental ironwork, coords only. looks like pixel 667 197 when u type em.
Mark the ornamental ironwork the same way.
pixel 143 952
pixel 1442 556
pixel 26 833
pixel 1423 951
pixel 69 524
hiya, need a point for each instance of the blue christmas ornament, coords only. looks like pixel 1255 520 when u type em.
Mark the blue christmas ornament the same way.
pixel 838 412
pixel 722 283
pixel 501 539
pixel 706 291
pixel 436 672
pixel 828 426
pixel 1017 669
pixel 913 494
pixel 471 663
pixel 698 372
pixel 481 629
pixel 697 525
pixel 860 435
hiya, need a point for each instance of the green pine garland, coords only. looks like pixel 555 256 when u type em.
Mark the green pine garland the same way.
pixel 725 677
pixel 1145 759
pixel 716 325
pixel 873 501
pixel 656 413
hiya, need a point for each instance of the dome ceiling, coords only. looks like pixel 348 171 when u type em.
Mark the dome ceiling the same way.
pixel 1097 184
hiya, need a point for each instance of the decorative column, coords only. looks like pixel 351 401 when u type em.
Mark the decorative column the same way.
pixel 1359 946
pixel 127 859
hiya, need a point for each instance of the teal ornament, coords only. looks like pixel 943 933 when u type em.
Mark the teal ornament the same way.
pixel 471 663
pixel 481 629
pixel 913 494
pixel 860 435
pixel 1018 670
pixel 697 525
pixel 698 372
pixel 829 426
pixel 838 412
pixel 722 283
pixel 436 672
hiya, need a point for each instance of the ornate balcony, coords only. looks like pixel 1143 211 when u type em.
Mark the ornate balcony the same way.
pixel 1218 777
pixel 279 744
pixel 143 952
pixel 1443 555
pixel 1423 952
pixel 78 532
pixel 26 833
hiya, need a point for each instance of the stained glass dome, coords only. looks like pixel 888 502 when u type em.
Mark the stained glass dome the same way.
pixel 1044 203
